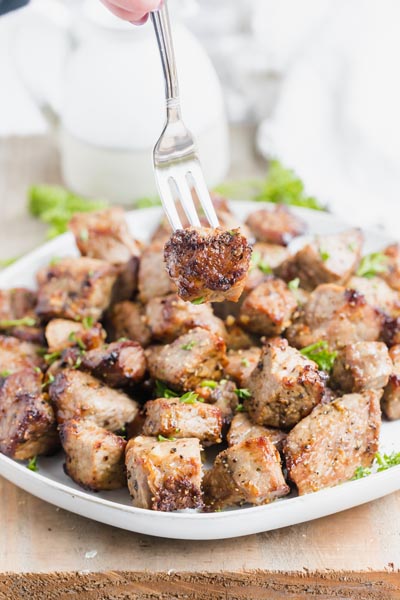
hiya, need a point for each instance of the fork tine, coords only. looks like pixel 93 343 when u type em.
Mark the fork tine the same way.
pixel 203 193
pixel 168 201
pixel 186 199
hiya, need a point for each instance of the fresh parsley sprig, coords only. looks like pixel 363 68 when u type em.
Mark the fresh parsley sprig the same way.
pixel 382 462
pixel 320 354
pixel 372 264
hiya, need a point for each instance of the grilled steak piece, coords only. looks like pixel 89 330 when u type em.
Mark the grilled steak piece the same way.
pixel 170 316
pixel 243 429
pixel 392 275
pixel 75 288
pixel 377 293
pixel 15 304
pixel 221 395
pixel 63 333
pixel 241 363
pixel 267 310
pixel 285 386
pixel 118 364
pixel 128 320
pixel 171 417
pixel 95 458
pixel 105 235
pixel 362 366
pixel 191 358
pixel 326 447
pixel 16 355
pixel 164 476
pixel 276 226
pixel 27 422
pixel 336 315
pixel 153 276
pixel 249 472
pixel 237 338
pixel 79 395
pixel 208 264
pixel 328 259
pixel 391 395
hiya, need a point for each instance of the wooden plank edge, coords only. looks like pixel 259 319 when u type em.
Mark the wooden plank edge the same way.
pixel 257 585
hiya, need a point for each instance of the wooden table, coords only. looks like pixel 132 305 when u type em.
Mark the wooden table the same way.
pixel 43 551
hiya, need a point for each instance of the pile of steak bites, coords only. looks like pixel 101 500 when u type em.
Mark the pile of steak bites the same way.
pixel 119 360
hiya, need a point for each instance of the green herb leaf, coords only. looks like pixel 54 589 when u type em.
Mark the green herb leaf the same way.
pixel 386 461
pixel 52 357
pixel 257 262
pixel 294 284
pixel 32 464
pixel 161 438
pixel 37 370
pixel 5 373
pixel 164 392
pixel 84 235
pixel 189 398
pixel 88 322
pixel 198 300
pixel 54 261
pixel 320 353
pixel 76 340
pixel 209 383
pixel 50 378
pixel 240 408
pixel 245 362
pixel 324 254
pixel 25 321
pixel 243 393
pixel 6 262
pixel 372 264
pixel 147 202
pixel 361 472
pixel 189 345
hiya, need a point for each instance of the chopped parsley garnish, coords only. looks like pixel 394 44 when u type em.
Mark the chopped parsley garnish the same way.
pixel 84 235
pixel 245 362
pixel 320 354
pixel 164 392
pixel 37 370
pixel 257 262
pixel 200 300
pixel 209 383
pixel 161 438
pixel 189 345
pixel 52 357
pixel 382 462
pixel 189 398
pixel 372 264
pixel 72 338
pixel 6 262
pixel 240 408
pixel 324 254
pixel 49 380
pixel 78 363
pixel 25 321
pixel 243 393
pixel 32 464
pixel 147 202
pixel 294 284
pixel 54 261
pixel 5 373
pixel 88 322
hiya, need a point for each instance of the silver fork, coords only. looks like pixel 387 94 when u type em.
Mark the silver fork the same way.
pixel 176 165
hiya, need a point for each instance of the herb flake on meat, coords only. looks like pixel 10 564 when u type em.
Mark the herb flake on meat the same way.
pixel 320 354
pixel 372 264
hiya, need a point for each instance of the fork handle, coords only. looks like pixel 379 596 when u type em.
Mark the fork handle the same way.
pixel 163 32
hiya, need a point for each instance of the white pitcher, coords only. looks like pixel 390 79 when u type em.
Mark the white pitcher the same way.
pixel 110 102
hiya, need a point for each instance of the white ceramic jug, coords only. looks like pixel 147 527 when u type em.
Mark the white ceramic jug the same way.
pixel 110 107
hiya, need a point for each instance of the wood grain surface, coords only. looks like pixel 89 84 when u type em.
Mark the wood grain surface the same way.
pixel 46 552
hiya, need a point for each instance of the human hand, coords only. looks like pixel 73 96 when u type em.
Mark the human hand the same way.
pixel 135 11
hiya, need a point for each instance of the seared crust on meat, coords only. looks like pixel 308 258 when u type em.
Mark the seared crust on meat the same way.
pixel 27 422
pixel 210 264
pixel 128 320
pixel 191 358
pixel 243 429
pixel 268 309
pixel 392 275
pixel 377 294
pixel 153 276
pixel 249 472
pixel 391 396
pixel 18 303
pixel 164 476
pixel 328 259
pixel 75 288
pixel 326 447
pixel 16 355
pixel 95 457
pixel 362 366
pixel 285 386
pixel 79 395
pixel 172 417
pixel 118 364
pixel 170 316
pixel 276 226
pixel 241 363
pixel 64 333
pixel 335 314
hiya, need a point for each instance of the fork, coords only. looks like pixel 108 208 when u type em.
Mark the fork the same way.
pixel 176 164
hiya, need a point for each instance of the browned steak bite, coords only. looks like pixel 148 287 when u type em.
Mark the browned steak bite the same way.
pixel 243 429
pixel 79 395
pixel 391 395
pixel 222 395
pixel 328 259
pixel 276 226
pixel 18 304
pixel 170 316
pixel 16 355
pixel 64 333
pixel 27 422
pixel 377 293
pixel 175 417
pixel 392 274
pixel 153 276
pixel 237 338
pixel 118 364
pixel 285 386
pixel 75 288
pixel 336 315
pixel 95 458
pixel 249 472
pixel 241 363
pixel 362 366
pixel 267 310
pixel 208 264
pixel 128 320
pixel 265 258
pixel 326 447
pixel 191 358
pixel 164 475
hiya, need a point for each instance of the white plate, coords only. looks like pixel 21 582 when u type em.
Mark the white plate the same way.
pixel 114 508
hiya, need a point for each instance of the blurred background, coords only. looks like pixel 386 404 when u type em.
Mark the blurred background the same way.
pixel 314 83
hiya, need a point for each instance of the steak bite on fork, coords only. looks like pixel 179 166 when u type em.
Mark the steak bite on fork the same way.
pixel 208 264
